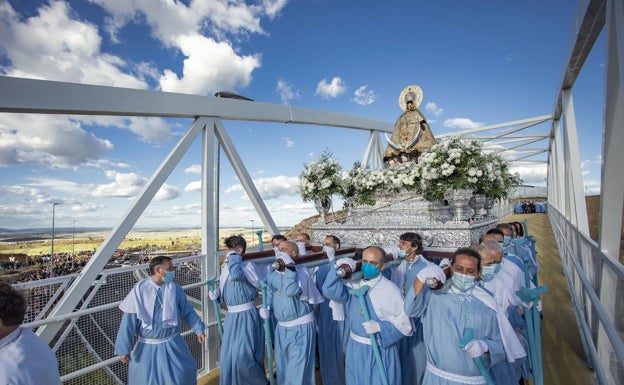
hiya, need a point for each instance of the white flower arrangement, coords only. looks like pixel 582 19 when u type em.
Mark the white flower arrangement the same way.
pixel 320 178
pixel 360 185
pixel 453 163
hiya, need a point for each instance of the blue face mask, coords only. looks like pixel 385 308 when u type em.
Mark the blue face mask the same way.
pixel 402 253
pixel 369 271
pixel 488 272
pixel 169 276
pixel 462 282
pixel 506 241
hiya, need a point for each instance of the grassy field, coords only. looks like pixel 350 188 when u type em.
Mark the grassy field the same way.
pixel 183 239
pixel 188 239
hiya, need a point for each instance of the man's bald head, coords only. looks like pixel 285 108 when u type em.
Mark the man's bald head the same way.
pixel 491 238
pixel 290 248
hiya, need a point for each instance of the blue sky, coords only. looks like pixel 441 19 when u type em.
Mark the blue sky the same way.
pixel 478 63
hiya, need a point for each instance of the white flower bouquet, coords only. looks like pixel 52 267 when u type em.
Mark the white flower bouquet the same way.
pixel 320 178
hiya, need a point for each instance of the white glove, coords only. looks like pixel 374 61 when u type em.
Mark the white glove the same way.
pixel 346 261
pixel 476 348
pixel 431 271
pixel 330 251
pixel 265 313
pixel 445 262
pixel 302 248
pixel 530 305
pixel 393 249
pixel 371 327
pixel 214 294
pixel 286 258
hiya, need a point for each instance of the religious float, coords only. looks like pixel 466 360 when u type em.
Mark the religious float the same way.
pixel 449 191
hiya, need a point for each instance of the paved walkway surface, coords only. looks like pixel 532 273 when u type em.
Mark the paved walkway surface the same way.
pixel 562 349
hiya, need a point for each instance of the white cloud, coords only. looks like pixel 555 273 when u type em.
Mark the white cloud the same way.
pixel 193 169
pixel 331 90
pixel 167 19
pixel 270 188
pixel 531 174
pixel 129 185
pixel 193 186
pixel 210 66
pixel 461 123
pixel 286 92
pixel 52 45
pixel 289 142
pixel 364 97
pixel 152 130
pixel 166 193
pixel 434 109
pixel 50 141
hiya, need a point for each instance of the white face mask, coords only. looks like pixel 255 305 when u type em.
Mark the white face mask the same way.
pixel 330 251
pixel 462 282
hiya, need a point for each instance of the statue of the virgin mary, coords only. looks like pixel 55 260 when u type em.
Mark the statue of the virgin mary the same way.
pixel 412 134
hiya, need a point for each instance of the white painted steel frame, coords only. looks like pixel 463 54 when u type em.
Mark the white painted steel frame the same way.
pixel 586 269
pixel 612 180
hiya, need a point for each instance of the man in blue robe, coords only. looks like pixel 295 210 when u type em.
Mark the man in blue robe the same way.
pixel 411 349
pixel 333 331
pixel 447 313
pixel 242 348
pixel 152 311
pixel 507 371
pixel 388 321
pixel 291 296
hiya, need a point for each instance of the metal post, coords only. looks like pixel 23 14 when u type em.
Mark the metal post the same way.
pixel 52 246
pixel 252 231
pixel 73 256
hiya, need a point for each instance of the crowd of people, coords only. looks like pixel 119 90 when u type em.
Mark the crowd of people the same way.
pixel 459 320
pixel 452 321
pixel 47 267
pixel 530 207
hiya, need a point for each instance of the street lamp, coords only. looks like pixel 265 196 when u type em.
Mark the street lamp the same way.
pixel 73 239
pixel 252 231
pixel 52 249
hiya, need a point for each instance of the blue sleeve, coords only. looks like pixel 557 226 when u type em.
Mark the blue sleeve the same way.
pixel 187 312
pixel 333 288
pixel 390 335
pixel 127 331
pixel 414 306
pixel 235 267
pixel 290 285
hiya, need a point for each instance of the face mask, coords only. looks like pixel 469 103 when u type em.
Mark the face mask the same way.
pixel 330 251
pixel 487 272
pixel 369 271
pixel 169 276
pixel 506 241
pixel 463 282
pixel 402 253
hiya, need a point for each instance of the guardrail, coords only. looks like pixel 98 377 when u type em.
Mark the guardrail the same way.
pixel 85 346
pixel 596 283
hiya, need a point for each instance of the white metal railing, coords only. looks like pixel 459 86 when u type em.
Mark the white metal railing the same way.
pixel 596 282
pixel 85 346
